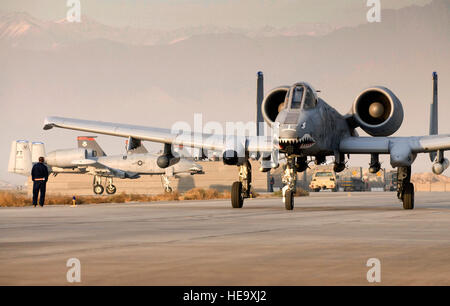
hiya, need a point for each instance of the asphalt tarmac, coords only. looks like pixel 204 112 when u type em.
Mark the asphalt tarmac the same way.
pixel 326 240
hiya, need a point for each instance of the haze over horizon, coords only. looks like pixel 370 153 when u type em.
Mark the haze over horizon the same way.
pixel 156 69
pixel 174 14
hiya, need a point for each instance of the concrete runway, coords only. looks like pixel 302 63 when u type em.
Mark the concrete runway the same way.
pixel 326 240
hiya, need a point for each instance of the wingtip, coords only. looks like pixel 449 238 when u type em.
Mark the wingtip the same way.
pixel 47 124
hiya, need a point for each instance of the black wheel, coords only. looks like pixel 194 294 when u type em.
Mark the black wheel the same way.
pixel 111 189
pixel 289 200
pixel 408 196
pixel 98 189
pixel 237 199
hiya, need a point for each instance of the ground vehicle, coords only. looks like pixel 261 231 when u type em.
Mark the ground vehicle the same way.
pixel 352 179
pixel 352 184
pixel 323 179
pixel 391 181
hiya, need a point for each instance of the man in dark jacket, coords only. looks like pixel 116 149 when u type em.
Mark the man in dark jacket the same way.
pixel 39 175
pixel 271 183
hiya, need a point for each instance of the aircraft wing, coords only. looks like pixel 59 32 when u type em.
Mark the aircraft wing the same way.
pixel 384 145
pixel 161 135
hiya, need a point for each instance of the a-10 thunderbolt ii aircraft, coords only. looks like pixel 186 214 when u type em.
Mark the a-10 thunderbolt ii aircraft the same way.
pixel 89 158
pixel 303 125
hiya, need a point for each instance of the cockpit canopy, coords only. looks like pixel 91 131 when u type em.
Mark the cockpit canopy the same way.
pixel 301 96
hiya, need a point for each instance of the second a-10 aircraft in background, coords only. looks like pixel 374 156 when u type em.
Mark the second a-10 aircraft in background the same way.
pixel 303 126
pixel 89 158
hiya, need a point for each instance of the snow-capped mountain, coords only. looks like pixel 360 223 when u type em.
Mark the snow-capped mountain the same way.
pixel 24 31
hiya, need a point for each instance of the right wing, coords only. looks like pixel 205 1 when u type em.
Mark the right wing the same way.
pixel 198 140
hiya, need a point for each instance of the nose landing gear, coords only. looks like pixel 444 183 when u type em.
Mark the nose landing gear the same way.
pixel 289 180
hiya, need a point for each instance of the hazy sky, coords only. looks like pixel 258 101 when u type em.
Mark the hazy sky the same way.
pixel 133 79
pixel 170 14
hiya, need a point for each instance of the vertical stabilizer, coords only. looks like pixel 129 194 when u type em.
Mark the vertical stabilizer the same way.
pixel 434 112
pixel 37 150
pixel 259 100
pixel 20 158
pixel 89 143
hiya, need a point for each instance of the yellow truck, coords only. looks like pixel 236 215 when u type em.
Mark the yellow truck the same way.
pixel 322 180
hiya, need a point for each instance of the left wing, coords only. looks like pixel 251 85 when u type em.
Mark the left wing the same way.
pixel 198 140
pixel 384 145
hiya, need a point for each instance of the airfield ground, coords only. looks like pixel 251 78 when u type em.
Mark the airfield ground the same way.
pixel 326 240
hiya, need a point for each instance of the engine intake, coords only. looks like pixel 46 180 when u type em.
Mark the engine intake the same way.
pixel 378 111
pixel 273 103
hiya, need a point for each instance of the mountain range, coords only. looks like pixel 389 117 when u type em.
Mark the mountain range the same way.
pixel 19 29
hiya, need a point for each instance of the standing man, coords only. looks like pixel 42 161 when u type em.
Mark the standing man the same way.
pixel 39 175
pixel 271 182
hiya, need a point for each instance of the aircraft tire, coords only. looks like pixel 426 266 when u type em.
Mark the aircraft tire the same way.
pixel 408 196
pixel 289 200
pixel 98 189
pixel 237 199
pixel 111 189
pixel 168 190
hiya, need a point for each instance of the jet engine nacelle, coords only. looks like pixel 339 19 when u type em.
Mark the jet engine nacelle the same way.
pixel 438 168
pixel 273 103
pixel 65 158
pixel 378 111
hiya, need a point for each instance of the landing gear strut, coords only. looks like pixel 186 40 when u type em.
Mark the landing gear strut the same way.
pixel 289 180
pixel 166 183
pixel 97 185
pixel 241 189
pixel 110 188
pixel 405 189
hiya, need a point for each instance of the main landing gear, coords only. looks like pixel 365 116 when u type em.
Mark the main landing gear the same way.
pixel 405 189
pixel 99 189
pixel 242 189
pixel 166 183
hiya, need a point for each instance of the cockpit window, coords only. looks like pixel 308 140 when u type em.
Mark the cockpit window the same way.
pixel 297 97
pixel 310 99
